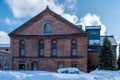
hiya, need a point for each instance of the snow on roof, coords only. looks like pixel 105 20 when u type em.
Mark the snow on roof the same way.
pixel 4 51
pixel 4 45
pixel 92 27
pixel 111 38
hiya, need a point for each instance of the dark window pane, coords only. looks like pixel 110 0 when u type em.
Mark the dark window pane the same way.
pixel 74 42
pixel 48 28
pixel 74 52
pixel 9 63
pixel 60 65
pixel 5 58
pixel 73 65
pixel 41 42
pixel 22 42
pixel 54 42
pixel 0 57
pixel 41 52
pixel 22 52
pixel 54 52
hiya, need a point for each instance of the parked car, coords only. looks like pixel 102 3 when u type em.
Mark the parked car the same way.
pixel 69 70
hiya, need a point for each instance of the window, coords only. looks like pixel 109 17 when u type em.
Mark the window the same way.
pixel 73 65
pixel 9 63
pixel 41 42
pixel 74 42
pixel 74 52
pixel 73 47
pixel 47 28
pixel 22 52
pixel 22 48
pixel 0 65
pixel 5 58
pixel 54 48
pixel 22 42
pixel 54 52
pixel 60 65
pixel 41 47
pixel 41 52
pixel 53 42
pixel 0 58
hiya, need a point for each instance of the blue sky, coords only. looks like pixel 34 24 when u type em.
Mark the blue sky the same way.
pixel 85 12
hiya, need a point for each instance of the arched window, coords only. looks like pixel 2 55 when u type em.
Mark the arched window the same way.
pixel 54 52
pixel 47 28
pixel 73 42
pixel 54 42
pixel 74 52
pixel 41 42
pixel 22 48
pixel 22 52
pixel 41 48
pixel 73 47
pixel 22 42
pixel 54 48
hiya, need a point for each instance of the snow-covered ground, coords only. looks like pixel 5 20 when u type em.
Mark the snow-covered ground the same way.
pixel 42 75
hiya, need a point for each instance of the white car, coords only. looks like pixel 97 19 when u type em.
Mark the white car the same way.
pixel 69 70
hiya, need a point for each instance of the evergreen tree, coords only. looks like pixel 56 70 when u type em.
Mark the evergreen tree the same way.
pixel 118 62
pixel 106 57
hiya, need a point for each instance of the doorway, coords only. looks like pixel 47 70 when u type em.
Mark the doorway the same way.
pixel 22 66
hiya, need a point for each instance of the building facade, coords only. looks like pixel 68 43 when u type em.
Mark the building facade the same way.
pixel 48 42
pixel 5 57
pixel 95 44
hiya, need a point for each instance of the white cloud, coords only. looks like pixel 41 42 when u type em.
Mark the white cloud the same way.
pixel 12 22
pixel 93 20
pixel 29 8
pixel 4 38
pixel 70 4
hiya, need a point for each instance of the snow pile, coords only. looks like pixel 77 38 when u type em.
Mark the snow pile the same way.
pixel 42 75
pixel 106 75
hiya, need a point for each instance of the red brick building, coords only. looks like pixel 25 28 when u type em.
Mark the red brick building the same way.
pixel 5 57
pixel 48 42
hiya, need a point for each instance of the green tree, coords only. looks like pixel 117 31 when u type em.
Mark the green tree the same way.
pixel 118 62
pixel 106 56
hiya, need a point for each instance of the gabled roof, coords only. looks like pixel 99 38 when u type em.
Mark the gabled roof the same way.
pixel 38 17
